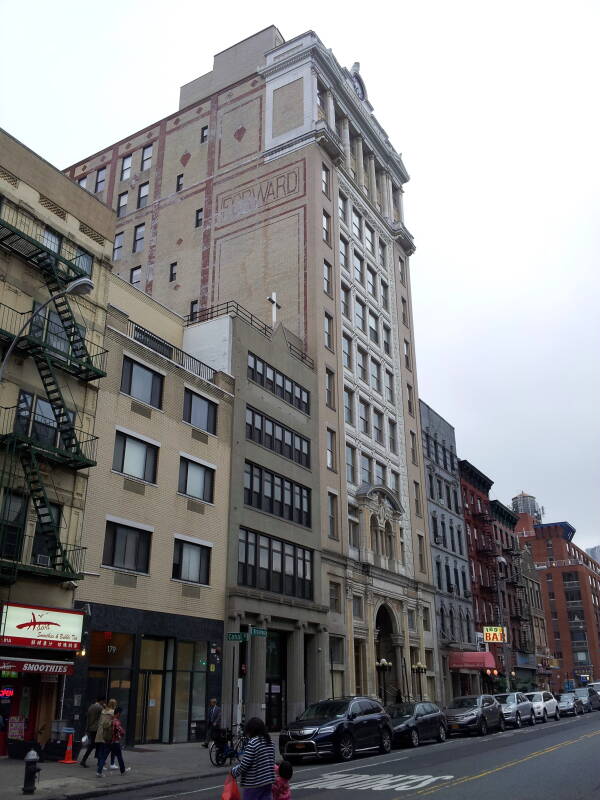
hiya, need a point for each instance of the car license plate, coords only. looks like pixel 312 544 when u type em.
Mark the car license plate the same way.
pixel 455 727
pixel 300 746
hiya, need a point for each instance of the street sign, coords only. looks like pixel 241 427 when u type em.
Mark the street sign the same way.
pixel 259 631
pixel 237 637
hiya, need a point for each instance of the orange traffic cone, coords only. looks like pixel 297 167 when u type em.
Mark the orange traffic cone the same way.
pixel 68 759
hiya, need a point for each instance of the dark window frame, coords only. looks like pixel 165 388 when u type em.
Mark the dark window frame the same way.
pixel 142 553
pixel 151 464
pixel 179 547
pixel 158 380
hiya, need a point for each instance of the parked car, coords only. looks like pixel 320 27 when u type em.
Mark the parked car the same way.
pixel 589 697
pixel 545 705
pixel 340 728
pixel 516 709
pixel 595 686
pixel 413 723
pixel 569 703
pixel 480 713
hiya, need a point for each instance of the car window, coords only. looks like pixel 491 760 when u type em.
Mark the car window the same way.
pixel 420 709
pixel 431 708
pixel 401 710
pixel 488 701
pixel 521 698
pixel 547 696
pixel 468 701
pixel 366 707
pixel 376 708
pixel 354 709
pixel 535 697
pixel 327 709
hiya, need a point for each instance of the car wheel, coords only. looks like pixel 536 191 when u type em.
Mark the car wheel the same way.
pixel 557 714
pixel 502 723
pixel 386 742
pixel 483 727
pixel 441 737
pixel 532 720
pixel 414 738
pixel 545 716
pixel 517 720
pixel 346 748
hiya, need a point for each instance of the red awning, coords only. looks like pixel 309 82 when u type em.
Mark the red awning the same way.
pixel 34 665
pixel 476 660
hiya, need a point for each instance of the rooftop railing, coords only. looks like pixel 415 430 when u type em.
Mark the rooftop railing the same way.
pixel 169 351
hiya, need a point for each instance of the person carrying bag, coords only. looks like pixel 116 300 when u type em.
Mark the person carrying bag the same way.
pixel 256 769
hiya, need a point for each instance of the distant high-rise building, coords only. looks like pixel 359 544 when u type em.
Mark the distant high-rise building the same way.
pixel 525 503
pixel 594 552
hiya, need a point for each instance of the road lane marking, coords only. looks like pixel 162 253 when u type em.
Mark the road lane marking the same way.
pixel 507 765
pixel 378 783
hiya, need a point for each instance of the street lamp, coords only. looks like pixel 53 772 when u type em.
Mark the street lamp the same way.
pixel 78 287
pixel 383 666
pixel 419 669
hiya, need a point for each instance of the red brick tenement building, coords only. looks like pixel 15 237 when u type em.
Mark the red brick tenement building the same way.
pixel 570 582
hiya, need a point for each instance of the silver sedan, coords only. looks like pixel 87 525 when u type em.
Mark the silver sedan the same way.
pixel 517 710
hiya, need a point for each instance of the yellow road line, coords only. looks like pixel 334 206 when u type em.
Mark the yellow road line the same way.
pixel 468 778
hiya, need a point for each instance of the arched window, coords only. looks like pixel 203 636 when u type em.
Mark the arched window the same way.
pixel 389 541
pixel 374 535
pixel 468 627
pixel 443 620
pixel 451 618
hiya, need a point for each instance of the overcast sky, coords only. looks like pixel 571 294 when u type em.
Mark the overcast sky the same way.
pixel 494 107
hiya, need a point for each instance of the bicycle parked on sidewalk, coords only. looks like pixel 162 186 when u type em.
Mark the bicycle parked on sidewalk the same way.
pixel 227 745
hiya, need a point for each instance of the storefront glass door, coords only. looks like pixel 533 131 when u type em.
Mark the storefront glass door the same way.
pixel 149 707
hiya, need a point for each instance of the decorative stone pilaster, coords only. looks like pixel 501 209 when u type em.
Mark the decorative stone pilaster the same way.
pixel 296 686
pixel 346 143
pixel 372 178
pixel 330 109
pixel 360 165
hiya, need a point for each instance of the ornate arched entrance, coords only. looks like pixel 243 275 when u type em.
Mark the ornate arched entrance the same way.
pixel 384 629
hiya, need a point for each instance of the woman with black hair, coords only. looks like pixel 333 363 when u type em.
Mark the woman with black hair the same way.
pixel 256 769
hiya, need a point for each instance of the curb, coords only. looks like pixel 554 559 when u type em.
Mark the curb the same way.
pixel 129 787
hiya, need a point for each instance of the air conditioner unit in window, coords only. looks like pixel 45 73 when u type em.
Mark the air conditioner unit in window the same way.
pixel 42 560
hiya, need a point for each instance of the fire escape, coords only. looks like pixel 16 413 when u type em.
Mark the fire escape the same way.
pixel 33 444
pixel 488 552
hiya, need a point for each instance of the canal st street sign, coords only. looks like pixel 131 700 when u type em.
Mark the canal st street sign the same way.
pixel 37 626
pixel 237 637
pixel 493 635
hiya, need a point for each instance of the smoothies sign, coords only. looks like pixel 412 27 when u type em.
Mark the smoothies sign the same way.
pixel 493 635
pixel 36 626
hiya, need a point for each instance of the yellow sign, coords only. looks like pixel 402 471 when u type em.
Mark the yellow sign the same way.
pixel 493 634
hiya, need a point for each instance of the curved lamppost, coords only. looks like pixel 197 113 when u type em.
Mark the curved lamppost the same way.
pixel 419 669
pixel 383 666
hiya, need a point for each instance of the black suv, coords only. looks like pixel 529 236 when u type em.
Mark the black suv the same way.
pixel 339 727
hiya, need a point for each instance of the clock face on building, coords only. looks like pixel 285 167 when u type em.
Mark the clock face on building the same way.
pixel 358 87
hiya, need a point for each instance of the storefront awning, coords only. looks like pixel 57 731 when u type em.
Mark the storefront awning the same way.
pixel 33 665
pixel 472 660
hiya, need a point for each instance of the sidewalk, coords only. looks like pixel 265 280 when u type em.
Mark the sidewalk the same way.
pixel 151 765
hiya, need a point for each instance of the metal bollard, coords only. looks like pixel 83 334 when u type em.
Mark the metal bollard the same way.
pixel 31 772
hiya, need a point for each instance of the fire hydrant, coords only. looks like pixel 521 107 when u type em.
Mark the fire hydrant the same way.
pixel 31 772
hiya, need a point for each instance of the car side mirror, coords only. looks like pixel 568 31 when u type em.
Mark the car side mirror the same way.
pixel 351 715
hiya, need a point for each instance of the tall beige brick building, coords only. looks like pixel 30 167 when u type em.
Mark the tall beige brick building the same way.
pixel 275 180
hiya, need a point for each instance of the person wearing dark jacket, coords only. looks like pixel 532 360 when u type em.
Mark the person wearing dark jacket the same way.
pixel 91 727
pixel 256 769
pixel 213 721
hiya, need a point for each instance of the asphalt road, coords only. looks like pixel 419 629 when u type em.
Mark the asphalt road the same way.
pixel 547 762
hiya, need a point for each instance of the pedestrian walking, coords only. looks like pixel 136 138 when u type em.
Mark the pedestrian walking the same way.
pixel 256 769
pixel 283 776
pixel 213 721
pixel 104 735
pixel 91 726
pixel 115 746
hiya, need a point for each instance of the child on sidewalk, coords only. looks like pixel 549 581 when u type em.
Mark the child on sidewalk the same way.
pixel 281 787
pixel 115 745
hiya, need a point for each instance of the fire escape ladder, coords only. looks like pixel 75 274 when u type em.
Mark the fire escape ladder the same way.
pixel 63 309
pixel 64 420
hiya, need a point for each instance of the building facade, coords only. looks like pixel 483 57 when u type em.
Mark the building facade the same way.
pixel 570 581
pixel 524 503
pixel 535 607
pixel 51 234
pixel 277 188
pixel 449 555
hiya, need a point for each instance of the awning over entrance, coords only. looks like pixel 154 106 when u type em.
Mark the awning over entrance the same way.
pixel 474 660
pixel 33 665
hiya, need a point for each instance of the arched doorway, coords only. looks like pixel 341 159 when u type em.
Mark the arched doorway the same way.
pixel 384 626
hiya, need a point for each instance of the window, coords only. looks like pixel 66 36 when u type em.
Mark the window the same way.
pixel 417 489
pixel 348 406
pixel 329 388
pixel 407 354
pixel 328 330
pixel 356 224
pixel 332 516
pixel 385 296
pixel 282 567
pixel 191 562
pixel 126 547
pixel 100 180
pixel 196 480
pixel 203 134
pixel 389 386
pixel 421 551
pixel 371 283
pixel 274 494
pixel 336 649
pixel 357 606
pixel 359 315
pixel 387 340
pixel 335 597
pixel 366 468
pixel 392 436
pixel 342 207
pixel 118 246
pixel 404 311
pixel 135 457
pixel 363 416
pixel 413 447
pixel 172 271
pixel 373 328
pixel 382 254
pixel 361 364
pixel 345 301
pixel 143 191
pixel 347 351
pixel 122 204
pixel 199 217
pixel 402 270
pixel 126 168
pixel 277 383
pixel 179 183
pixel 326 227
pixel 378 426
pixel 325 180
pixel 146 157
pixel 343 253
pixel 353 527
pixel 370 239
pixel 427 627
pixel 82 182
pixel 138 238
pixel 330 449
pixel 194 306
pixel 350 464
pixel 380 474
pixel 410 399
pixel 135 276
pixel 51 239
pixel 358 265
pixel 395 481
pixel 142 383
pixel 278 438
pixel 376 375
pixel 199 412
pixel 327 279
